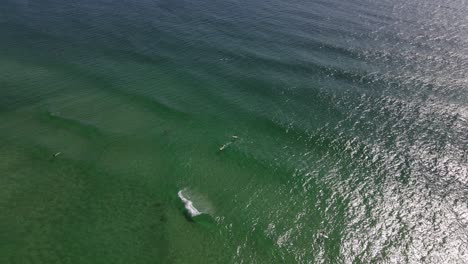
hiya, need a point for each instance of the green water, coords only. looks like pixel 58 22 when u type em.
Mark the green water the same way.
pixel 345 139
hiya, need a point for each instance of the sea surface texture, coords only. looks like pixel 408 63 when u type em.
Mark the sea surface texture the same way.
pixel 233 131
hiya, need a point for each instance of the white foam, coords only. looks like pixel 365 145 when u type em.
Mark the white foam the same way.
pixel 188 205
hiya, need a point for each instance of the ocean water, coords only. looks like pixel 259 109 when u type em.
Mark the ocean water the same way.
pixel 302 131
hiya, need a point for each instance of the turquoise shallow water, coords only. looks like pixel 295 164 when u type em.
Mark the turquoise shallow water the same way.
pixel 305 131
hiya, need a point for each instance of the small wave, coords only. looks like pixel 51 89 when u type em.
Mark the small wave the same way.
pixel 189 205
